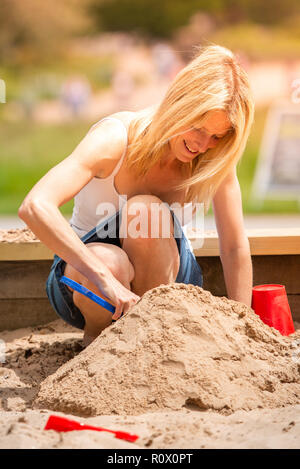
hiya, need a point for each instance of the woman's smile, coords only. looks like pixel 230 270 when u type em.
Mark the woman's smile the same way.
pixel 189 148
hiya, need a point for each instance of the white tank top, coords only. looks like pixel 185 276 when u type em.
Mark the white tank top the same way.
pixel 94 202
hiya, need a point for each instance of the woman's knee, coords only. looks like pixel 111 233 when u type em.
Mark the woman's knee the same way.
pixel 146 217
pixel 115 259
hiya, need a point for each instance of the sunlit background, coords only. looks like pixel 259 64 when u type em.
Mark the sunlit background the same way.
pixel 67 63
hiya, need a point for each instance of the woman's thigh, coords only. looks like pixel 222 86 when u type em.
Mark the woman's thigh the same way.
pixel 113 257
pixel 74 307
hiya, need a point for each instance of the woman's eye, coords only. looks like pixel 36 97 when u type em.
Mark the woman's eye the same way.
pixel 215 137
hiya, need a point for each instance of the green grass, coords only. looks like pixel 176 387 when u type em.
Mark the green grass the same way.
pixel 29 150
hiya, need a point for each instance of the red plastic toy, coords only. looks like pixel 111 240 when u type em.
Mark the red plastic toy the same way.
pixel 271 304
pixel 62 424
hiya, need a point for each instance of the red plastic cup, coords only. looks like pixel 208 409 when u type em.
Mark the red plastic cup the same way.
pixel 271 304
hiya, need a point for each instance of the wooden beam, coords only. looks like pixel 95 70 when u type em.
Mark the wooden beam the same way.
pixel 294 302
pixel 23 312
pixel 266 242
pixel 23 279
pixel 283 270
pixel 34 250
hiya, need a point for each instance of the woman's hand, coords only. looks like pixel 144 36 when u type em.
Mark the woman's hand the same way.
pixel 118 295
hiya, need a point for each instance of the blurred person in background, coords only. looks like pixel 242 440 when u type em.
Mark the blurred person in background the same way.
pixel 123 88
pixel 183 150
pixel 166 62
pixel 75 94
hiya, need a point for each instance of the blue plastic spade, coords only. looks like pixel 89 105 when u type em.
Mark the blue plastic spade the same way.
pixel 85 291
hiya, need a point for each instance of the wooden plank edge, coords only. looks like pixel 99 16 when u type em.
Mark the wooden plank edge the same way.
pixel 262 242
pixel 25 251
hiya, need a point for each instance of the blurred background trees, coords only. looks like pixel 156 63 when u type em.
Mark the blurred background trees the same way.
pixel 34 30
pixel 161 18
pixel 67 63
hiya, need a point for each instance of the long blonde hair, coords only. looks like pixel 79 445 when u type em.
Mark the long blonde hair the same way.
pixel 213 80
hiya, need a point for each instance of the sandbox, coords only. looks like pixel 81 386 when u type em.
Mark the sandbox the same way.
pixel 176 400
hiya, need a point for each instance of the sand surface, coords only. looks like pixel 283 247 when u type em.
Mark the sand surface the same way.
pixel 205 374
pixel 17 235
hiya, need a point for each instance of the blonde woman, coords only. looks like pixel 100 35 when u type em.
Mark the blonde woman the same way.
pixel 184 150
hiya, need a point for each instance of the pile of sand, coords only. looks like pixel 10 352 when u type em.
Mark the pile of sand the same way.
pixel 179 347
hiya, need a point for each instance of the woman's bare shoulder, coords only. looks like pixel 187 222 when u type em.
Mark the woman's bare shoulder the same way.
pixel 125 116
pixel 115 138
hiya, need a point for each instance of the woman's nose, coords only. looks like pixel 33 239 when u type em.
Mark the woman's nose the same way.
pixel 203 142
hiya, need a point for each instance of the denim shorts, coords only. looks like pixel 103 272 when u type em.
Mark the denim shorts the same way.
pixel 61 298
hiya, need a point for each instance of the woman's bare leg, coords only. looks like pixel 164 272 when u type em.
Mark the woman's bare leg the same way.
pixel 96 317
pixel 155 260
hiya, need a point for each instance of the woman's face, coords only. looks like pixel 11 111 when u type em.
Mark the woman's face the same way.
pixel 186 146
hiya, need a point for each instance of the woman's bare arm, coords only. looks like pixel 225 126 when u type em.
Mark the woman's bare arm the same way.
pixel 233 243
pixel 99 148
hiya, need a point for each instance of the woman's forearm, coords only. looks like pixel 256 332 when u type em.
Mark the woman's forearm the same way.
pixel 48 224
pixel 238 274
